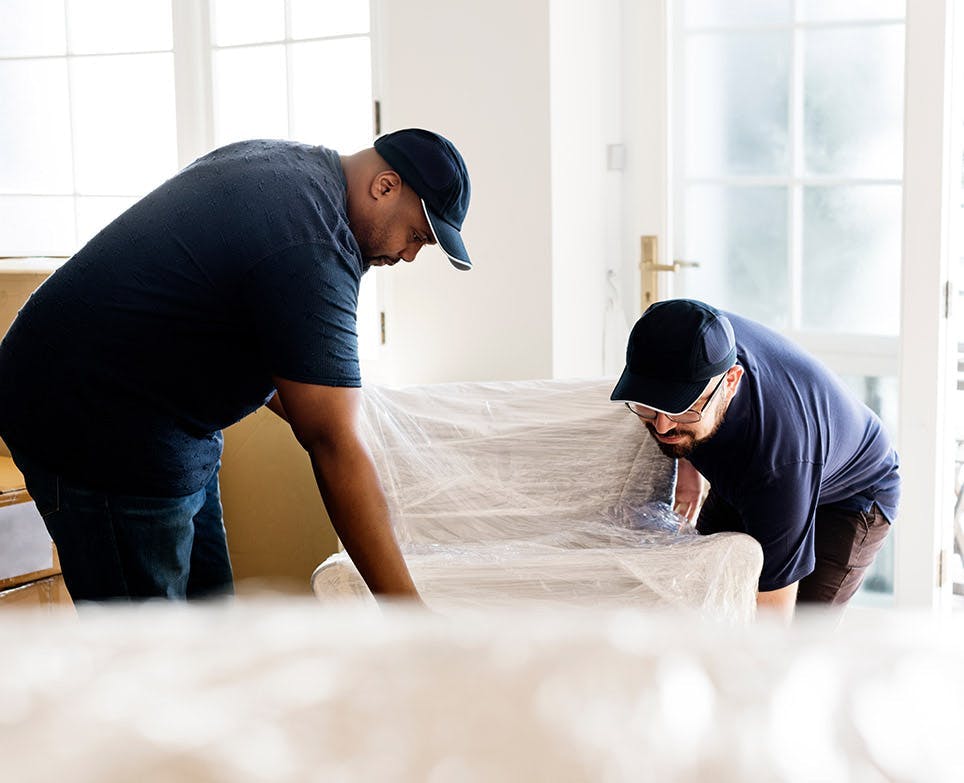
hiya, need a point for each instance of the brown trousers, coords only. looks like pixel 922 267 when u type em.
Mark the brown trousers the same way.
pixel 845 545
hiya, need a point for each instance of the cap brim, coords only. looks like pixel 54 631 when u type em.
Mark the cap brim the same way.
pixel 449 239
pixel 671 397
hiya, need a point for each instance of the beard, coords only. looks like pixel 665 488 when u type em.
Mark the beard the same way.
pixel 372 241
pixel 684 448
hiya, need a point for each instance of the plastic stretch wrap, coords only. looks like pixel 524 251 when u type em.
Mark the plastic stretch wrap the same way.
pixel 539 490
pixel 302 692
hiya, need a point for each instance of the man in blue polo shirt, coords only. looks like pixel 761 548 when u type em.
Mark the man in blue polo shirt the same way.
pixel 231 286
pixel 791 456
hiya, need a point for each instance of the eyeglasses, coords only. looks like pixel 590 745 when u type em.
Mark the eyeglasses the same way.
pixel 686 417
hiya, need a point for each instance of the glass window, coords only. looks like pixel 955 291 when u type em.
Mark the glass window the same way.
pixel 852 10
pixel 712 13
pixel 247 21
pixel 33 28
pixel 298 70
pixel 851 259
pixel 337 112
pixel 788 177
pixel 324 18
pixel 79 119
pixel 37 225
pixel 35 127
pixel 736 104
pixel 90 99
pixel 880 395
pixel 741 245
pixel 250 98
pixel 124 130
pixel 110 26
pixel 854 101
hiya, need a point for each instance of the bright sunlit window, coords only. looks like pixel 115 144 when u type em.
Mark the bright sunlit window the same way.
pixel 105 99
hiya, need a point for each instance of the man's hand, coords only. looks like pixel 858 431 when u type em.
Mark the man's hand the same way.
pixel 325 421
pixel 691 489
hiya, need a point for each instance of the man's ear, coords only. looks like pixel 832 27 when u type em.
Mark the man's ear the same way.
pixel 386 184
pixel 733 376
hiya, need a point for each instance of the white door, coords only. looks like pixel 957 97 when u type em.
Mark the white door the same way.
pixel 789 194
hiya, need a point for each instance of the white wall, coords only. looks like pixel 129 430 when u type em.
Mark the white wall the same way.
pixel 475 71
pixel 530 93
pixel 586 119
pixel 645 118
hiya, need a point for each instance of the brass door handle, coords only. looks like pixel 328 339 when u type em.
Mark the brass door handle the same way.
pixel 650 268
pixel 678 264
pixel 674 267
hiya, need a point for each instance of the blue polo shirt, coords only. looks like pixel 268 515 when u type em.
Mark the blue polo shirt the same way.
pixel 123 367
pixel 794 438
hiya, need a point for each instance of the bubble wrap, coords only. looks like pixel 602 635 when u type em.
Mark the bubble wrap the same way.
pixel 299 691
pixel 543 491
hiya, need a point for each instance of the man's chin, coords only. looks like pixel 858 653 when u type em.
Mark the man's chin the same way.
pixel 675 450
pixel 380 261
pixel 680 448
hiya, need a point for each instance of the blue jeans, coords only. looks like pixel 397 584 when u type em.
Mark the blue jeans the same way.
pixel 130 547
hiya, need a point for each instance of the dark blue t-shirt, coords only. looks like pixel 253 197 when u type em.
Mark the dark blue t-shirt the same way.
pixel 794 438
pixel 123 367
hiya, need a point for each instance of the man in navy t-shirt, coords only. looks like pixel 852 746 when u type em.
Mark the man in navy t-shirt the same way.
pixel 231 286
pixel 791 456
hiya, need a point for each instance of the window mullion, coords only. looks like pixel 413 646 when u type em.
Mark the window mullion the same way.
pixel 68 63
pixel 193 78
pixel 795 196
pixel 289 70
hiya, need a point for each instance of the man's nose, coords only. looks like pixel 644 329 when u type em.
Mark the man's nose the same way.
pixel 663 423
pixel 409 253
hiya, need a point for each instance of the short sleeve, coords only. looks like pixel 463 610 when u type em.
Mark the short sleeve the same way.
pixel 779 512
pixel 302 304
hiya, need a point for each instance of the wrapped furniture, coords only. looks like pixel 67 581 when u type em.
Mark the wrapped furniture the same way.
pixel 539 491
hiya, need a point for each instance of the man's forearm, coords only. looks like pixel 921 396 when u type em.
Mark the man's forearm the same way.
pixel 359 513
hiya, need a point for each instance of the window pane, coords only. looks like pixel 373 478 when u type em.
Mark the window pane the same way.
pixel 124 132
pixel 332 100
pixel 32 27
pixel 880 395
pixel 736 104
pixel 736 12
pixel 250 94
pixel 37 225
pixel 103 26
pixel 739 238
pixel 317 18
pixel 247 21
pixel 35 127
pixel 851 259
pixel 834 10
pixel 93 213
pixel 853 101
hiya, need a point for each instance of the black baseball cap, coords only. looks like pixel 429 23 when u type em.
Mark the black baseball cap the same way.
pixel 434 169
pixel 674 350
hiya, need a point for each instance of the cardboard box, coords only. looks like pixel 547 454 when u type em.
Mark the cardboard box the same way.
pixel 26 551
pixel 278 529
pixel 45 593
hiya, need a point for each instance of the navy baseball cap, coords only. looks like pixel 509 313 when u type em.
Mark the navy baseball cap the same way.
pixel 674 350
pixel 434 169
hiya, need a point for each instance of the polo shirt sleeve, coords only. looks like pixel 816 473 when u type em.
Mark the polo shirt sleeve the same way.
pixel 302 304
pixel 779 512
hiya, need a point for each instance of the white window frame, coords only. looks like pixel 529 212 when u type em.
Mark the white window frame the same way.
pixel 847 354
pixel 932 173
pixel 930 240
